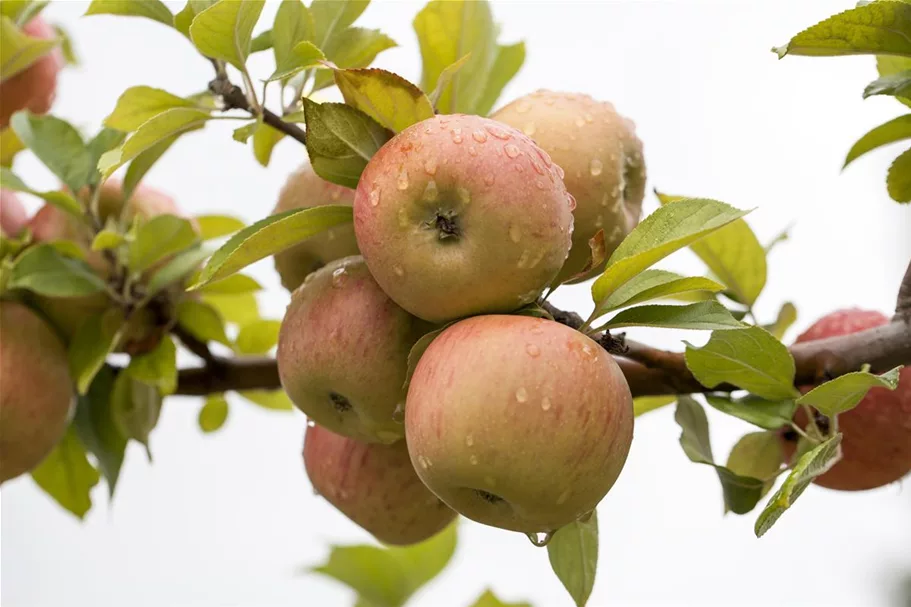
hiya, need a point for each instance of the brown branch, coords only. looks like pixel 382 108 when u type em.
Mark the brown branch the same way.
pixel 234 99
pixel 903 304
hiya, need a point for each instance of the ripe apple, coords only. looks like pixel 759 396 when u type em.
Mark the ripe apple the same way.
pixel 304 189
pixel 34 87
pixel 518 422
pixel 343 352
pixel 876 441
pixel 35 390
pixel 602 159
pixel 375 486
pixel 460 215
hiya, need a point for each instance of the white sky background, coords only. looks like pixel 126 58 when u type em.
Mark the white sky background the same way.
pixel 228 519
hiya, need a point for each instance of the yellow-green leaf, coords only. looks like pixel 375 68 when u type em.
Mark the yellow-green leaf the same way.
pixel 388 98
pixel 257 337
pixel 787 316
pixel 150 9
pixel 139 104
pixel 845 392
pixel 217 226
pixel 67 475
pixel 654 284
pixel 95 339
pixel 274 400
pixel 897 129
pixel 644 404
pixel 302 55
pixel 202 321
pixel 158 238
pixel 18 50
pixel 506 65
pixel 573 555
pixel 213 414
pixel 157 368
pixel 225 29
pixel 899 178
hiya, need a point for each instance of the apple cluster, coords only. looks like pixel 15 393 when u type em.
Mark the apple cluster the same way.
pixel 430 386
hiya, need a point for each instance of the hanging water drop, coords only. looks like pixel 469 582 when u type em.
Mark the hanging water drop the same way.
pixel 540 540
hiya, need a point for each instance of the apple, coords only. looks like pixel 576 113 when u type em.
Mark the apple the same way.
pixel 518 422
pixel 460 215
pixel 602 158
pixel 34 87
pixel 12 214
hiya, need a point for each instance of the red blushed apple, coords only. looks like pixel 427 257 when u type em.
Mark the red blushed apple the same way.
pixel 460 215
pixel 876 442
pixel 34 87
pixel 518 422
pixel 375 486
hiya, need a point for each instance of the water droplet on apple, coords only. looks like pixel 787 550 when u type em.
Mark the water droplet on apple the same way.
pixel 537 167
pixel 522 395
pixel 474 460
pixel 545 404
pixel 533 350
pixel 515 234
pixel 588 117
pixel 339 275
pixel 422 462
pixel 529 129
pixel 469 440
pixel 523 259
pixel 497 132
pixel 311 423
pixel 430 166
pixel 511 150
pixel 374 198
pixel 430 191
pixel 587 350
pixel 472 151
pixel 464 195
pixel 571 203
pixel 595 167
pixel 539 184
pixel 399 271
pixel 479 136
pixel 540 540
pixel 402 181
pixel 599 221
pixel 456 135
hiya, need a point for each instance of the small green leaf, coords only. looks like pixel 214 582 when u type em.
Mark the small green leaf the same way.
pixel 388 98
pixel 10 145
pixel 67 476
pixel 177 268
pixel 340 141
pixel 489 599
pixel 355 47
pixel 573 555
pixel 265 138
pixel 239 309
pixel 844 393
pixel 44 270
pixel 106 139
pixel 61 200
pixel 213 414
pixel 417 351
pixel 669 228
pixel 202 321
pixel 225 29
pixel 274 400
pixel 899 178
pixel 703 315
pixel 293 24
pixel 787 316
pixel 445 79
pixel 243 133
pixel 887 65
pixel 216 226
pixel 750 358
pixel 158 238
pixel 263 40
pixel 506 65
pixel 139 104
pixel 258 337
pixel 18 50
pixel 137 407
pixel 94 424
pixel 768 414
pixel 331 17
pixel 644 404
pixel 757 455
pixel 96 338
pixel 895 85
pixel 57 144
pixel 144 161
pixel 810 465
pixel 302 56
pixel 236 283
pixel 157 368
pixel 268 237
pixel 654 284
pixel 22 11
pixel 150 9
pixel 897 129
pixel 878 28
pixel 107 239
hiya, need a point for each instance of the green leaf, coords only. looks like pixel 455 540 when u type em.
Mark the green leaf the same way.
pixel 573 555
pixel 202 321
pixel 787 316
pixel 879 28
pixel 489 599
pixel 237 283
pixel 809 466
pixel 354 48
pixel 154 131
pixel 18 50
pixel 274 400
pixel 158 238
pixel 139 104
pixel 150 9
pixel 331 17
pixel 44 270
pixel 96 338
pixel 897 129
pixel 67 476
pixel 213 414
pixel 258 337
pixel 137 407
pixel 654 284
pixel 425 560
pixel 895 85
pixel 268 237
pixel 22 11
pixel 644 404
pixel 734 255
pixel 61 200
pixel 10 145
pixel 703 315
pixel 899 178
pixel 750 358
pixel 263 40
pixel 57 144
pixel 300 57
pixel 66 46
pixel 340 141
pixel 887 65
pixel 94 424
pixel 177 268
pixel 445 79
pixel 106 139
pixel 240 309
pixel 757 455
pixel 216 226
pixel 265 138
pixel 447 31
pixel 417 351
pixel 506 65
pixel 144 162
pixel 225 29
pixel 107 239
pixel 388 98
pixel 293 24
pixel 768 414
pixel 669 228
pixel 844 393
pixel 157 368
pixel 243 133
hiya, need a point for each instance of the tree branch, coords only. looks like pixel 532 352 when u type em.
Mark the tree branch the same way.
pixel 234 99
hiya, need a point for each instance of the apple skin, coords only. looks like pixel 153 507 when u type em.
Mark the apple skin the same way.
pixel 12 213
pixel 602 158
pixel 375 486
pixel 35 390
pixel 876 441
pixel 34 87
pixel 460 215
pixel 343 352
pixel 305 189
pixel 518 422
